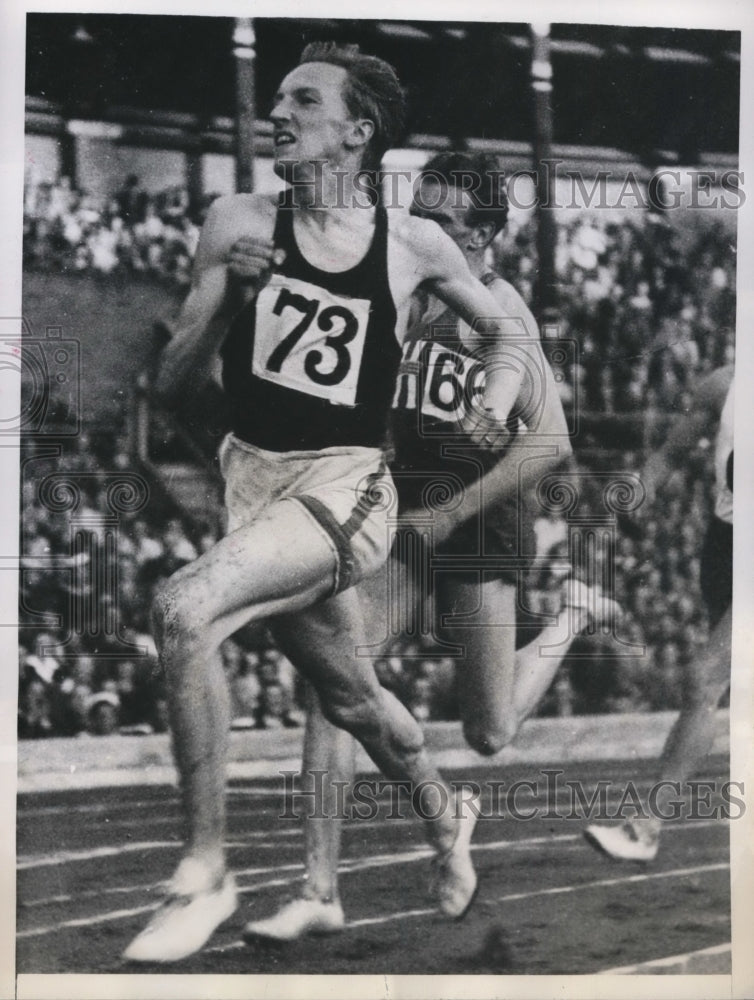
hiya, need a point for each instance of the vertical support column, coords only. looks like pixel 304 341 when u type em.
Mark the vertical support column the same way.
pixel 68 158
pixel 541 82
pixel 194 170
pixel 243 52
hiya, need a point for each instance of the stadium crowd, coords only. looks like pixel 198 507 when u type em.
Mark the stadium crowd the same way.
pixel 87 661
pixel 650 305
pixel 132 232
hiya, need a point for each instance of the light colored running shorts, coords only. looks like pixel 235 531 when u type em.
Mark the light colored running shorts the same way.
pixel 347 493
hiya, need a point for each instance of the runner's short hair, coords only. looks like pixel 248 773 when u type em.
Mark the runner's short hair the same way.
pixel 372 91
pixel 481 175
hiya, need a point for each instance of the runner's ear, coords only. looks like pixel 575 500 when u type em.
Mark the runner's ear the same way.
pixel 361 131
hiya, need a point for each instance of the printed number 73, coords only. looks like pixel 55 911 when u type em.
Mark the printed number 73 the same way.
pixel 336 342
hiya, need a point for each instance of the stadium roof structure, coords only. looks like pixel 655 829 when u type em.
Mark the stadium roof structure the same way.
pixel 656 95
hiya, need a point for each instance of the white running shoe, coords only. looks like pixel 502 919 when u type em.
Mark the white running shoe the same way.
pixel 600 610
pixel 297 919
pixel 634 840
pixel 187 919
pixel 454 878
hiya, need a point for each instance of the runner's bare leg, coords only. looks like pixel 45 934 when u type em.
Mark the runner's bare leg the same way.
pixel 692 736
pixel 330 750
pixel 327 748
pixel 322 641
pixel 277 565
pixel 500 686
pixel 253 572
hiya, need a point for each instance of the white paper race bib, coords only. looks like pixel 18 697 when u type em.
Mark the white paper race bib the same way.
pixel 446 380
pixel 308 339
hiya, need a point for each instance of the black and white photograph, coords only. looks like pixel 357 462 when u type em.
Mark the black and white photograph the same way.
pixel 367 412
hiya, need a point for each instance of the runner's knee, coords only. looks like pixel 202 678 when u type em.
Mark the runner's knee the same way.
pixel 177 615
pixel 489 740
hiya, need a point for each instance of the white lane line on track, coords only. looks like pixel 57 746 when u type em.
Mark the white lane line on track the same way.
pixel 657 964
pixel 175 821
pixel 111 850
pixel 66 857
pixel 26 862
pixel 103 918
pixel 347 866
pixel 66 897
pixel 105 807
pixel 557 891
pixel 116 915
pixel 122 890
pixel 510 898
pixel 625 879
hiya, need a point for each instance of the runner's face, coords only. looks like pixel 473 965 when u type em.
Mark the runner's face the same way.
pixel 310 118
pixel 448 207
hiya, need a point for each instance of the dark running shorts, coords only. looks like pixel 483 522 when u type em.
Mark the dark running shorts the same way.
pixel 717 569
pixel 500 542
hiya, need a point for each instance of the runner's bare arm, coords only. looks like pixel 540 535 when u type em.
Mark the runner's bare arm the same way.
pixel 497 336
pixel 699 419
pixel 544 446
pixel 186 363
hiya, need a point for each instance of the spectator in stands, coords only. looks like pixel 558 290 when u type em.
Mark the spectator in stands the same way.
pixel 33 702
pixel 145 545
pixel 241 670
pixel 132 201
pixel 550 529
pixel 275 710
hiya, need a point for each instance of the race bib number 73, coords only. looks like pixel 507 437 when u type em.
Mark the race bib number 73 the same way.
pixel 310 340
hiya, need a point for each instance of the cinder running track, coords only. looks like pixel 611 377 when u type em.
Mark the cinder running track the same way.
pixel 90 861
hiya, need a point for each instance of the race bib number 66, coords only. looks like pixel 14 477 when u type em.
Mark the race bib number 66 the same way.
pixel 310 340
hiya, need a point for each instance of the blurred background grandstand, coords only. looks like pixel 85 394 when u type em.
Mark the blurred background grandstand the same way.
pixel 135 124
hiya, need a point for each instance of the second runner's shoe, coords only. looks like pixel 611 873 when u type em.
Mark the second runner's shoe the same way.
pixel 454 878
pixel 634 840
pixel 296 919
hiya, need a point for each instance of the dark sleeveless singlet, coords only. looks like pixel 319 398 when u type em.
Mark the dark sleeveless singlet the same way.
pixel 311 362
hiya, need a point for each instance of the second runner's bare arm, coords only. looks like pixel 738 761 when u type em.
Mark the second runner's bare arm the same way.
pixel 544 446
pixel 698 419
pixel 446 274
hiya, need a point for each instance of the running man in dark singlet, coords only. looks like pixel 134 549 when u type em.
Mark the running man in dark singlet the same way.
pixel 309 367
pixel 489 535
pixel 692 736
